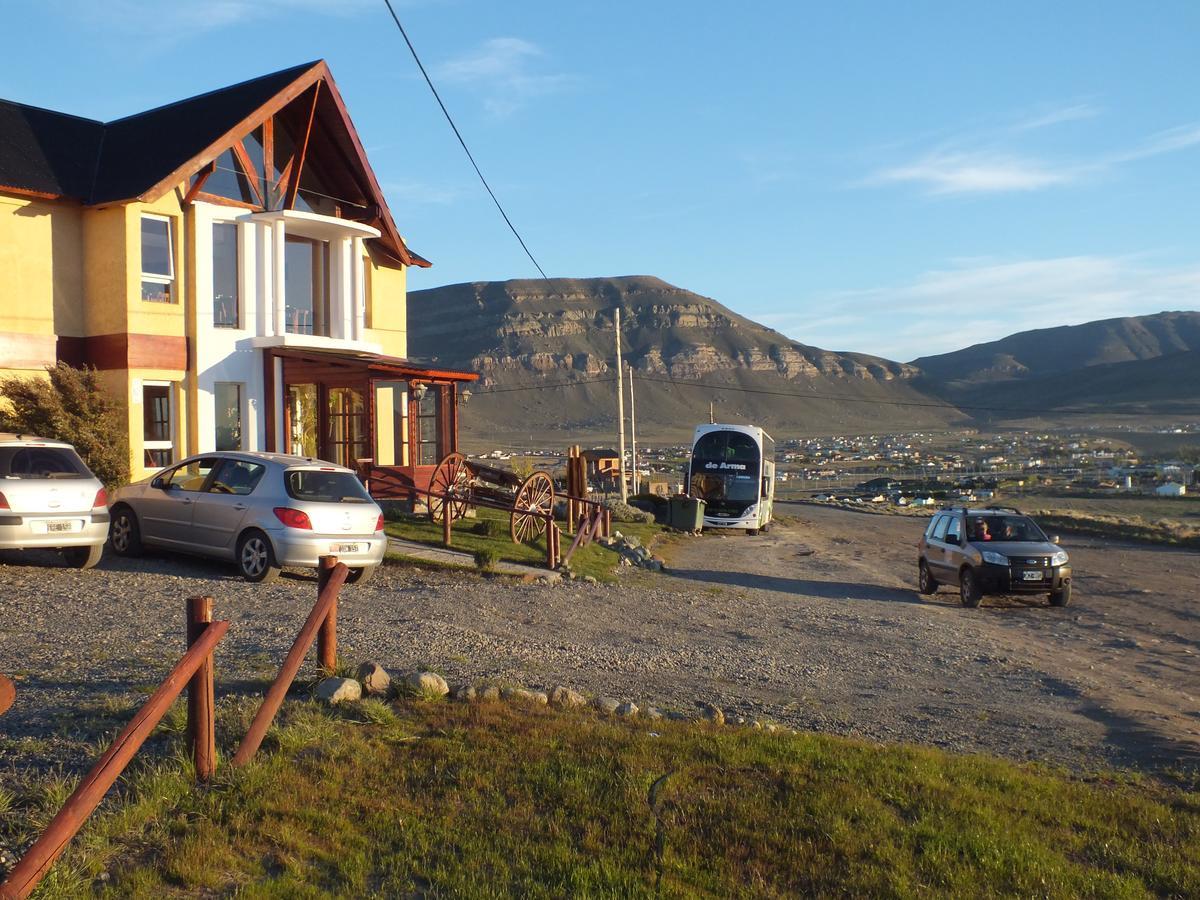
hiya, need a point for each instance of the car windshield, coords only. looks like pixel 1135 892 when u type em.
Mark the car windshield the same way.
pixel 1002 527
pixel 41 462
pixel 320 486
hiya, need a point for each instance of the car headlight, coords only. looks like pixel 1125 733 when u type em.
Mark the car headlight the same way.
pixel 1060 558
pixel 999 559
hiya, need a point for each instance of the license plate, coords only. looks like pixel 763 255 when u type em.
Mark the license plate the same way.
pixel 343 548
pixel 1032 576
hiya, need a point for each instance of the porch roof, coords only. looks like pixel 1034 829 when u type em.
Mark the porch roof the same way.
pixel 373 363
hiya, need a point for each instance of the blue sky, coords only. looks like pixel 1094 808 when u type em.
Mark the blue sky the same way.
pixel 898 179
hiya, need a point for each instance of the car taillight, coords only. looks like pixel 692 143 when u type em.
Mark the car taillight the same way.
pixel 379 523
pixel 293 518
pixel 101 499
pixel 4 502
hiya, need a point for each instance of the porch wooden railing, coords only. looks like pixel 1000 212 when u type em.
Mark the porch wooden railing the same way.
pixel 193 671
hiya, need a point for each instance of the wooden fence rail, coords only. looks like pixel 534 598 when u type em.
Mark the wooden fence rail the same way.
pixel 323 618
pixel 38 859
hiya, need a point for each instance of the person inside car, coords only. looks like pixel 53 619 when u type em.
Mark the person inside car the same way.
pixel 982 532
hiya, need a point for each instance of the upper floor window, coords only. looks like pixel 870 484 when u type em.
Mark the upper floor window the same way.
pixel 306 286
pixel 226 297
pixel 158 260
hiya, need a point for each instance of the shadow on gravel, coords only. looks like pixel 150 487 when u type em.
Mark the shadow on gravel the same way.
pixel 1137 745
pixel 155 562
pixel 829 590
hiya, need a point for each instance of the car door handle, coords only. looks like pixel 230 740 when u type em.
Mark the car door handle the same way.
pixel 186 500
pixel 239 506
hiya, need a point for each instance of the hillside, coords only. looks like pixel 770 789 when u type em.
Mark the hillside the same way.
pixel 1050 351
pixel 530 334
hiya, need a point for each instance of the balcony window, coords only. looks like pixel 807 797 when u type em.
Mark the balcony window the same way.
pixel 306 283
pixel 226 296
pixel 227 402
pixel 430 449
pixel 158 260
pixel 157 427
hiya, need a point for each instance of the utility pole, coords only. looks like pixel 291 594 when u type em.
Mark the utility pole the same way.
pixel 620 411
pixel 637 483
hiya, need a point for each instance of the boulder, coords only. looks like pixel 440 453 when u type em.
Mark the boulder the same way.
pixel 564 697
pixel 712 713
pixel 627 710
pixel 338 690
pixel 464 693
pixel 374 678
pixel 652 712
pixel 606 705
pixel 523 695
pixel 488 694
pixel 429 685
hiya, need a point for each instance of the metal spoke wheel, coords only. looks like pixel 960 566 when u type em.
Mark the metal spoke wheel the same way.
pixel 533 503
pixel 452 480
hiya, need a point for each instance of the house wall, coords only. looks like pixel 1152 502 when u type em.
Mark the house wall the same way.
pixel 41 276
pixel 387 306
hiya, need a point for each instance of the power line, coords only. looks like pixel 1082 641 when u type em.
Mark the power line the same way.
pixel 458 135
pixel 810 395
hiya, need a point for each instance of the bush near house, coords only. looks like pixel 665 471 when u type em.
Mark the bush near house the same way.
pixel 71 406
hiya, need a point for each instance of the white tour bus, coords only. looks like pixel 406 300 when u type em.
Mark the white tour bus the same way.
pixel 732 470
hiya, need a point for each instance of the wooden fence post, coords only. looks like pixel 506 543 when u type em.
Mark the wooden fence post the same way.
pixel 446 522
pixel 327 635
pixel 201 704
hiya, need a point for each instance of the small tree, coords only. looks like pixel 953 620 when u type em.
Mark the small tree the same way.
pixel 71 406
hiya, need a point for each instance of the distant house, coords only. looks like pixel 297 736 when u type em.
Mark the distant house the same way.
pixel 659 485
pixel 602 463
pixel 1170 489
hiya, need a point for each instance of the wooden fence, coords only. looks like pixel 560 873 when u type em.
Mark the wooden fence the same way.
pixel 195 672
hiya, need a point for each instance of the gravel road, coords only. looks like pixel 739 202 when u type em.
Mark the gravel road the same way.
pixel 816 625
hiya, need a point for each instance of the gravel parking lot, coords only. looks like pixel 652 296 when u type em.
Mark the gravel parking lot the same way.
pixel 816 625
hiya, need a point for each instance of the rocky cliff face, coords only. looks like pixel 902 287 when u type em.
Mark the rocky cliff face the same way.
pixel 564 327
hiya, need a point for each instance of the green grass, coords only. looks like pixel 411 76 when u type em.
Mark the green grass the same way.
pixel 452 800
pixel 593 559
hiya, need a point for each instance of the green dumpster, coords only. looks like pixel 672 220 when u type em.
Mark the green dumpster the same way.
pixel 686 513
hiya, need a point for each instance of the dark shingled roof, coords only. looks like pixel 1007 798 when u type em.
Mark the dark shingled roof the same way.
pixel 96 162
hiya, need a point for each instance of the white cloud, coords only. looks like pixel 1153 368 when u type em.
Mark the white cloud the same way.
pixel 501 70
pixel 1168 141
pixel 1074 112
pixel 951 308
pixel 961 173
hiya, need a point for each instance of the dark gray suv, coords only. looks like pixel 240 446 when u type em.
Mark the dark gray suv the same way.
pixel 996 550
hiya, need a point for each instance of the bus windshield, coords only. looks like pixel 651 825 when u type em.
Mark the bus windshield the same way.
pixel 725 472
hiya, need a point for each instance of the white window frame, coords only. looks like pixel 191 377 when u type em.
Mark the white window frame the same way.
pixel 237 243
pixel 242 403
pixel 161 445
pixel 157 277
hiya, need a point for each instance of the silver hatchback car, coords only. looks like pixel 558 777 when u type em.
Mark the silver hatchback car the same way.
pixel 263 511
pixel 50 500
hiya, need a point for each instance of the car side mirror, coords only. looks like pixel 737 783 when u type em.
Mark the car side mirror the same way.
pixel 1054 539
pixel 157 483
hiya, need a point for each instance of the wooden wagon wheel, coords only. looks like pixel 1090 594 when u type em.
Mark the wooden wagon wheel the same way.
pixel 534 501
pixel 452 477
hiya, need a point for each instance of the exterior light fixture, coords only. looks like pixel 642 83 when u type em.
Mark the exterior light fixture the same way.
pixel 418 391
pixel 464 396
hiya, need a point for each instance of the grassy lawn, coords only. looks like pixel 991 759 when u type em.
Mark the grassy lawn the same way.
pixel 593 559
pixel 441 799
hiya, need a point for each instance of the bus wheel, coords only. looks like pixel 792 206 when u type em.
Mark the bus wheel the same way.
pixel 751 531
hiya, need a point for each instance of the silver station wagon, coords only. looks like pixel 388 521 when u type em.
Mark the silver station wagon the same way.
pixel 262 511
pixel 50 500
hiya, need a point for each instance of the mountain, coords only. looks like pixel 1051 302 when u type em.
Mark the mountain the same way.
pixel 1049 351
pixel 545 350
pixel 1139 365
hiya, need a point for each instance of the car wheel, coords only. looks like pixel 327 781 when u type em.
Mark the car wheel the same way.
pixel 361 576
pixel 926 583
pixel 751 531
pixel 124 533
pixel 83 557
pixel 968 589
pixel 256 558
pixel 1062 596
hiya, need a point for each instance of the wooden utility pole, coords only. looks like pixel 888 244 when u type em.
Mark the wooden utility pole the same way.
pixel 637 484
pixel 620 411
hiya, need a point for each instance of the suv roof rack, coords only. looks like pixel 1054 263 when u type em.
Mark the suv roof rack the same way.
pixel 1002 508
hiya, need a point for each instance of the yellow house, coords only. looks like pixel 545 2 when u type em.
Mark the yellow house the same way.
pixel 230 265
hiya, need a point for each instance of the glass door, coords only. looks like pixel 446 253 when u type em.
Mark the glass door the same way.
pixel 347 415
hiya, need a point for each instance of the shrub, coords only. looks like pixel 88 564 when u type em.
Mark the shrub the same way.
pixel 623 512
pixel 488 528
pixel 486 559
pixel 71 406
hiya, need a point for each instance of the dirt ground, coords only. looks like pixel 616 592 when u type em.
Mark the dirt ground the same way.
pixel 816 625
